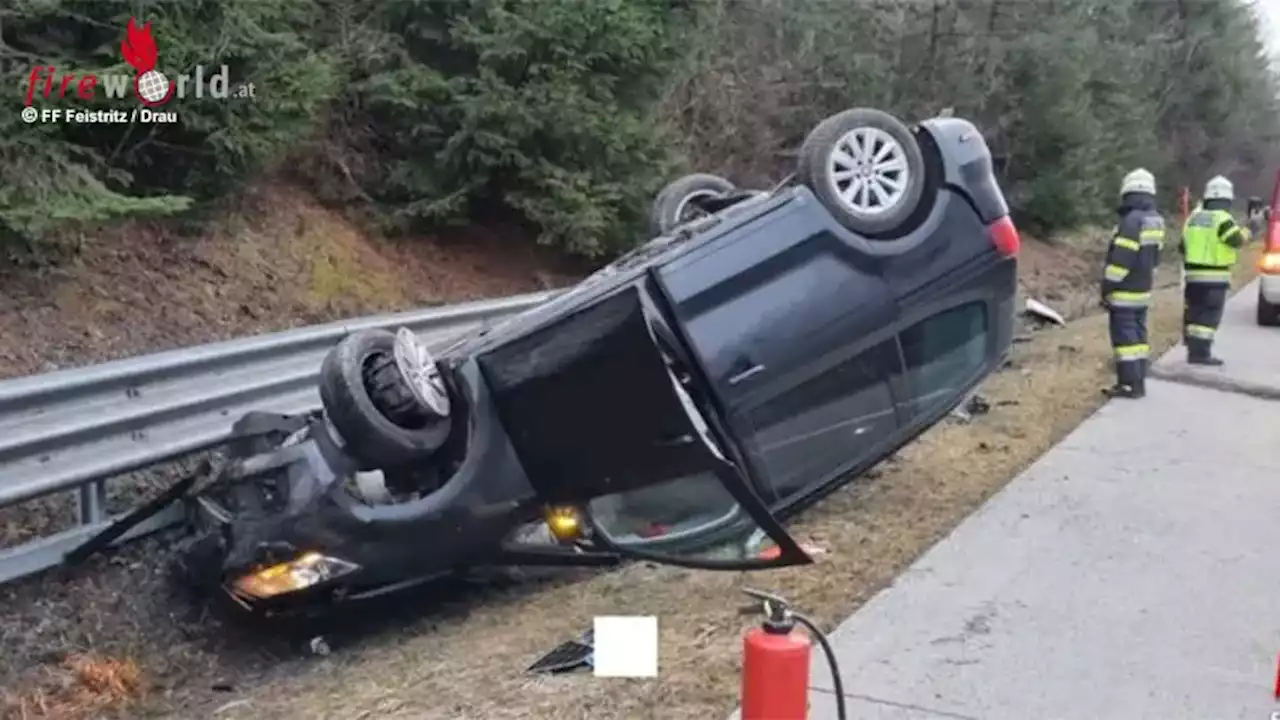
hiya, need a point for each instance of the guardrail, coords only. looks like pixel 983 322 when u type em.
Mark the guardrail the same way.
pixel 74 430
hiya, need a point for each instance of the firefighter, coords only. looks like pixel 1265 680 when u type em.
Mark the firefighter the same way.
pixel 1127 279
pixel 1256 217
pixel 1211 240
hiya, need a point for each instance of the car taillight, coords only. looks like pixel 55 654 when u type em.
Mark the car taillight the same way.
pixel 1004 236
pixel 1269 263
pixel 1275 192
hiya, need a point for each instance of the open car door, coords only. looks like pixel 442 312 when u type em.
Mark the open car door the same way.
pixel 604 419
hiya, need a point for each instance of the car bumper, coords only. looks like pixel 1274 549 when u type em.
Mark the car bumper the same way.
pixel 1269 286
pixel 472 521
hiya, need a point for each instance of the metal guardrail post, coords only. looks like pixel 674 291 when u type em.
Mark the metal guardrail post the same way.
pixel 91 502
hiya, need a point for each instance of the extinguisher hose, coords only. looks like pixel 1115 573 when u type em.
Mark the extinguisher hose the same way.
pixel 837 686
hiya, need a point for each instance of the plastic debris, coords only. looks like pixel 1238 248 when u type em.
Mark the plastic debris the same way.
pixel 1044 312
pixel 974 405
pixel 320 646
pixel 232 706
pixel 372 486
pixel 567 656
pixel 813 550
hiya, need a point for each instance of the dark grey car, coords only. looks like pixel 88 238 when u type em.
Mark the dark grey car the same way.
pixel 761 351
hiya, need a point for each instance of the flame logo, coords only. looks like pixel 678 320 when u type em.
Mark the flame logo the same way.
pixel 138 47
pixel 139 50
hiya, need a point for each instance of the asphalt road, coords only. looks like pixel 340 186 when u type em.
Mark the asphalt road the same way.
pixel 1129 573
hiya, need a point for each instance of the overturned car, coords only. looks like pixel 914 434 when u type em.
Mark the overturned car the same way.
pixel 760 351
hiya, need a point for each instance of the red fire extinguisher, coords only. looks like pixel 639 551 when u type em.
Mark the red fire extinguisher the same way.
pixel 775 663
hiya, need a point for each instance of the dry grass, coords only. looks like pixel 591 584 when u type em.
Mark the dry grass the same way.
pixel 82 686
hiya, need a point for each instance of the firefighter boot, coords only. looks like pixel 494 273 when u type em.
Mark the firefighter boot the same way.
pixel 1209 360
pixel 1140 386
pixel 1129 381
pixel 1198 353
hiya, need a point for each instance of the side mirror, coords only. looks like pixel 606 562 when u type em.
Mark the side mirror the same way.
pixel 1254 207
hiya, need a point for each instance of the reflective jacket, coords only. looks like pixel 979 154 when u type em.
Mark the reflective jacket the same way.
pixel 1132 257
pixel 1210 241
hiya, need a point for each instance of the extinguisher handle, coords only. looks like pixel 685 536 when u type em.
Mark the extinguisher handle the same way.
pixel 767 597
pixel 775 608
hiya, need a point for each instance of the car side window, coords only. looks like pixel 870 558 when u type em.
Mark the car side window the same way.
pixel 943 353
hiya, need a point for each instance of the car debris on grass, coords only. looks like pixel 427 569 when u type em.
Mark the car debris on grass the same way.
pixel 568 656
pixel 974 405
pixel 1043 312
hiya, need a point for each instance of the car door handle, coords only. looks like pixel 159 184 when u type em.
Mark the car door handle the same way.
pixel 743 375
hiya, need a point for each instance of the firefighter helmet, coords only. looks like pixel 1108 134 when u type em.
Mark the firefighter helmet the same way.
pixel 1138 181
pixel 1219 188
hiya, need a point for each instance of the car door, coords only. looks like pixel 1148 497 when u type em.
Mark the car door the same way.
pixel 827 422
pixel 606 417
pixel 794 328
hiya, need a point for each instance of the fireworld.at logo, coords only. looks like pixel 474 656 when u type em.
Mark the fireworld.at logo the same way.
pixel 149 84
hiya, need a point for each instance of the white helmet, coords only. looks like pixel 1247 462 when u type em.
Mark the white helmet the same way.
pixel 1138 181
pixel 1219 188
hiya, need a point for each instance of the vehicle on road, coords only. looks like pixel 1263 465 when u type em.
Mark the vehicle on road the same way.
pixel 762 350
pixel 1269 264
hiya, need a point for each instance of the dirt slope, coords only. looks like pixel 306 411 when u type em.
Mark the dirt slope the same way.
pixel 271 259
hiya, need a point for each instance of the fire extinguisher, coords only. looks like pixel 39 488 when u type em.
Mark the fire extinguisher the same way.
pixel 775 662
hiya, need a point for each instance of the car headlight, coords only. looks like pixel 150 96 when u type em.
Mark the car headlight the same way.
pixel 565 522
pixel 300 573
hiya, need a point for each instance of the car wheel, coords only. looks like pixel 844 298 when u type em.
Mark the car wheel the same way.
pixel 372 408
pixel 1268 314
pixel 867 169
pixel 674 205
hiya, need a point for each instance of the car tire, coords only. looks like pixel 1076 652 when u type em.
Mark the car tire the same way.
pixel 827 167
pixel 368 435
pixel 669 209
pixel 1268 314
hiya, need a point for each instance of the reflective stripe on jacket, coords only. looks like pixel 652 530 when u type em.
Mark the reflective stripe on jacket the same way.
pixel 1129 270
pixel 1210 240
